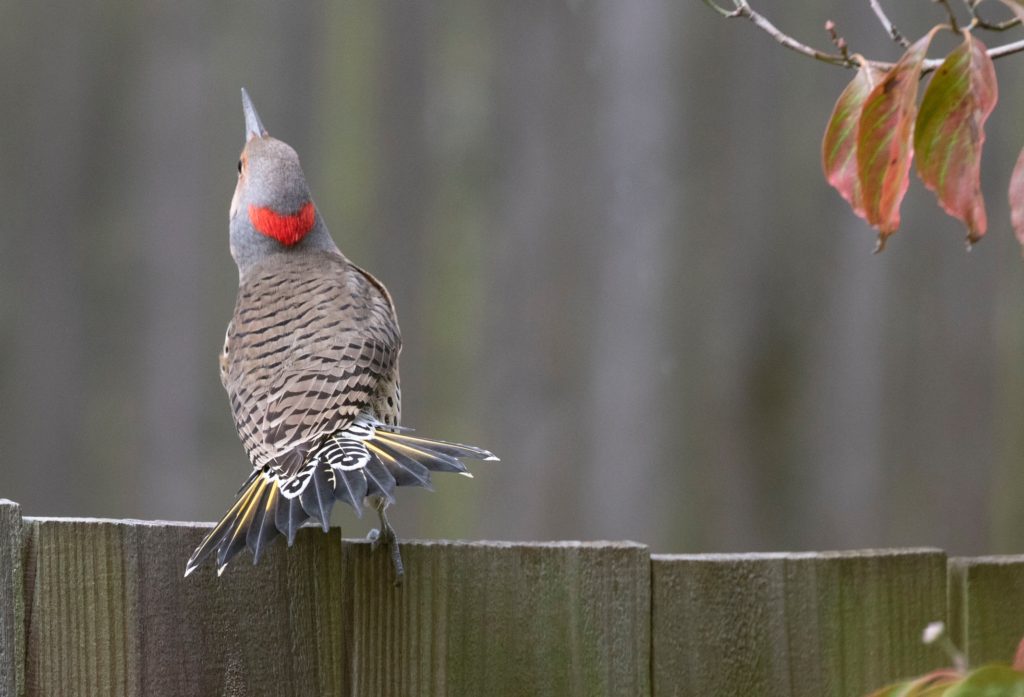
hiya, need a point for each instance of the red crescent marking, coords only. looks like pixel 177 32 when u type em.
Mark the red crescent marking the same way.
pixel 286 229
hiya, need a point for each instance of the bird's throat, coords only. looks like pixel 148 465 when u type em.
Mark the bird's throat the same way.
pixel 286 229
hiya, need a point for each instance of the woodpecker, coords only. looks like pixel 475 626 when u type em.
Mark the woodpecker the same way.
pixel 310 365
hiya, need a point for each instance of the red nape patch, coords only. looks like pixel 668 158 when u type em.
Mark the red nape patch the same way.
pixel 286 229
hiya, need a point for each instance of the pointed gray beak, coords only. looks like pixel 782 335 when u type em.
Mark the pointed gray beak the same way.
pixel 253 126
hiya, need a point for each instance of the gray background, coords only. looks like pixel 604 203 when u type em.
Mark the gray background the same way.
pixel 615 260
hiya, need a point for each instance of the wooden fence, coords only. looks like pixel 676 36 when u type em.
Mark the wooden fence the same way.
pixel 100 607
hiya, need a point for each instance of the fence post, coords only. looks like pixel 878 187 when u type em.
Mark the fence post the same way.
pixel 12 623
pixel 815 624
pixel 111 614
pixel 986 606
pixel 501 619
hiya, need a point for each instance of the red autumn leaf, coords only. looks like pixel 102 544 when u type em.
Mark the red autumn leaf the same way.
pixel 950 132
pixel 1018 657
pixel 839 147
pixel 1017 198
pixel 884 140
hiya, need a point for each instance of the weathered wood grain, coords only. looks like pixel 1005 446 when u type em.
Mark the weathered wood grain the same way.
pixel 109 613
pixel 500 619
pixel 12 645
pixel 986 606
pixel 813 624
pixel 93 607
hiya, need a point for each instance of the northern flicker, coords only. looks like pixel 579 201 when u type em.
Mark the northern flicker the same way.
pixel 310 365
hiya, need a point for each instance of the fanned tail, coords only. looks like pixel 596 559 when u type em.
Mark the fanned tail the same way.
pixel 260 513
pixel 367 458
pixel 387 457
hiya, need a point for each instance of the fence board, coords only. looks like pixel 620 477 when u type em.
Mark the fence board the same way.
pixel 986 606
pixel 92 607
pixel 12 646
pixel 109 613
pixel 793 624
pixel 501 619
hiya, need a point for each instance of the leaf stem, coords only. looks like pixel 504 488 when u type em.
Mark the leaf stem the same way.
pixel 952 15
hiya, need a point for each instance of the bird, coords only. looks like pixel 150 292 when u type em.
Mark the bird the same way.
pixel 310 366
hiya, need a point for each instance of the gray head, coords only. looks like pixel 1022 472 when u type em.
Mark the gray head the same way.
pixel 272 211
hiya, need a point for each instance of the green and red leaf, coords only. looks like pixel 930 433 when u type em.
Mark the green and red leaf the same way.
pixel 1018 657
pixel 885 139
pixel 990 680
pixel 839 147
pixel 937 680
pixel 1017 213
pixel 950 132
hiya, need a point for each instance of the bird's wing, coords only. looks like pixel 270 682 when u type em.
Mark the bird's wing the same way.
pixel 335 349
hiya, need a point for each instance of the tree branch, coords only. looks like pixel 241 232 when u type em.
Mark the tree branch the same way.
pixel 887 24
pixel 981 23
pixel 741 8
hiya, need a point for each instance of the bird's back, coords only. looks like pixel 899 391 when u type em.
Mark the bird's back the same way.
pixel 313 343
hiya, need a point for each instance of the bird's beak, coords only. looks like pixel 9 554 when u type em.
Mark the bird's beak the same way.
pixel 253 126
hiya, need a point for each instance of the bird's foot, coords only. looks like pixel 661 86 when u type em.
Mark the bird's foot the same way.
pixel 396 559
pixel 386 536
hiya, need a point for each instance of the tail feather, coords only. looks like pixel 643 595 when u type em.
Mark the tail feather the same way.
pixel 379 480
pixel 264 527
pixel 437 447
pixel 213 540
pixel 289 517
pixel 235 539
pixel 369 459
pixel 406 471
pixel 350 487
pixel 428 457
pixel 318 497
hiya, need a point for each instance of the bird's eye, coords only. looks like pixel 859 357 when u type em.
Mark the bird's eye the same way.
pixel 239 166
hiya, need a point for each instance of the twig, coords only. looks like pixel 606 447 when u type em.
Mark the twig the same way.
pixel 1006 49
pixel 720 10
pixel 743 9
pixel 837 41
pixel 952 15
pixel 887 24
pixel 981 23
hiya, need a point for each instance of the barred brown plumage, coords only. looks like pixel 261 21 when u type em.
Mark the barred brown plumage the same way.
pixel 310 365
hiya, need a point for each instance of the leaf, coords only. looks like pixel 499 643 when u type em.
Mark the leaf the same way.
pixel 995 680
pixel 930 683
pixel 1018 657
pixel 949 132
pixel 839 147
pixel 884 140
pixel 1017 211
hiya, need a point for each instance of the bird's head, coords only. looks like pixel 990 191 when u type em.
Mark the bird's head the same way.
pixel 272 210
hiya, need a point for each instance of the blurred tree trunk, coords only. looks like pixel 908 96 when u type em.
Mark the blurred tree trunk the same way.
pixel 170 129
pixel 534 309
pixel 625 404
pixel 49 208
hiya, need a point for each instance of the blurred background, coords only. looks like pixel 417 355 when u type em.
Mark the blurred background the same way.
pixel 614 256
